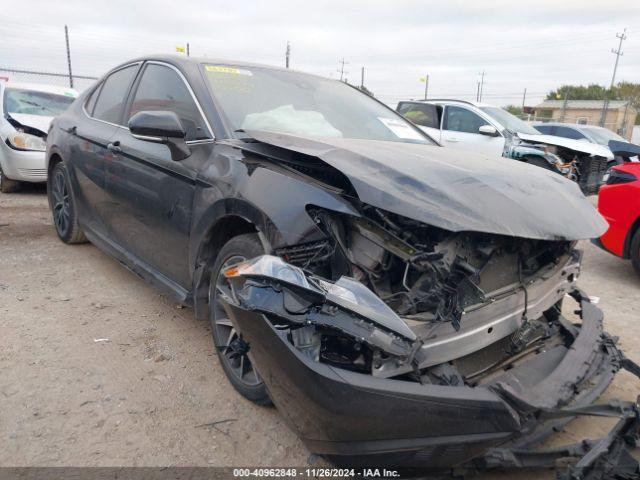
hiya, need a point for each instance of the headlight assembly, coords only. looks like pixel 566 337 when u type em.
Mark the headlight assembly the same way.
pixel 26 141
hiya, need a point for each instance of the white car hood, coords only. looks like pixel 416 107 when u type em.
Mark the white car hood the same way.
pixel 38 122
pixel 590 148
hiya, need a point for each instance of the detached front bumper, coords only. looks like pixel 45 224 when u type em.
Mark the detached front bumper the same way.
pixel 358 419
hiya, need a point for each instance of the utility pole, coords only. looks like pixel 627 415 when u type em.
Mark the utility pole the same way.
pixel 287 55
pixel 362 78
pixel 187 49
pixel 481 88
pixel 342 63
pixel 426 86
pixel 478 92
pixel 66 38
pixel 563 112
pixel 618 53
pixel 524 97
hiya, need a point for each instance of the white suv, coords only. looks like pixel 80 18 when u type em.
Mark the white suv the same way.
pixel 492 131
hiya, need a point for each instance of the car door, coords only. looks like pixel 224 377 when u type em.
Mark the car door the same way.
pixel 460 129
pixel 151 195
pixel 88 142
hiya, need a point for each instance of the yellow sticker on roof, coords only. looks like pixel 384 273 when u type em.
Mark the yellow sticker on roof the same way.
pixel 230 70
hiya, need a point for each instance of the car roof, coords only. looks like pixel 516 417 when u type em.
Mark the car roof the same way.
pixel 575 126
pixel 40 87
pixel 452 101
pixel 183 61
pixel 559 124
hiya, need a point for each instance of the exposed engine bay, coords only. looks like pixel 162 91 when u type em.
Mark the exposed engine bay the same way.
pixel 585 168
pixel 423 273
pixel 434 281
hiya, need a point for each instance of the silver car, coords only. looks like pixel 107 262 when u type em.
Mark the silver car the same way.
pixel 27 111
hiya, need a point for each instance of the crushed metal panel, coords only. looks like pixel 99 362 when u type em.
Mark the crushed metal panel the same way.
pixel 453 190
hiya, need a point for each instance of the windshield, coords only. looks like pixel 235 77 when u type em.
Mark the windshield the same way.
pixel 33 102
pixel 509 121
pixel 602 135
pixel 258 98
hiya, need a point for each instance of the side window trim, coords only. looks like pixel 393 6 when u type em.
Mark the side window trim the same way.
pixel 136 83
pixel 96 91
pixel 100 92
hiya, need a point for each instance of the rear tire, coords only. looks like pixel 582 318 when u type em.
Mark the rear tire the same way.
pixel 63 206
pixel 7 185
pixel 233 352
pixel 634 253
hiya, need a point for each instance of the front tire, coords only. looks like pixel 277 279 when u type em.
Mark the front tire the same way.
pixel 634 253
pixel 63 206
pixel 233 352
pixel 7 185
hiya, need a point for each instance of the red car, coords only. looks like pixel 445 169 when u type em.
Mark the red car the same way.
pixel 619 203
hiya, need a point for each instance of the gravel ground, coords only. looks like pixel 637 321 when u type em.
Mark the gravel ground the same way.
pixel 98 369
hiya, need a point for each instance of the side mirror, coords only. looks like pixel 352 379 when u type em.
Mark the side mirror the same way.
pixel 488 130
pixel 161 127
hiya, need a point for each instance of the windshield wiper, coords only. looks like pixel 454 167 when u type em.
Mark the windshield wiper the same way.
pixel 34 104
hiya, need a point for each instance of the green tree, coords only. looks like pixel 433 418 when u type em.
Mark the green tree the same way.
pixel 514 110
pixel 578 92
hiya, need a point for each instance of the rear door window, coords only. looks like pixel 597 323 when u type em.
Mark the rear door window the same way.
pixel 546 129
pixel 459 119
pixel 113 95
pixel 422 114
pixel 162 89
pixel 568 132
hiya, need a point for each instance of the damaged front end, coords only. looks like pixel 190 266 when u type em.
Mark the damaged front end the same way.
pixel 583 163
pixel 362 385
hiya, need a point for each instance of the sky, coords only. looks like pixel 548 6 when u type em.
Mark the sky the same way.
pixel 520 45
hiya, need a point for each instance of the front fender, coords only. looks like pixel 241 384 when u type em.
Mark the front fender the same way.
pixel 520 152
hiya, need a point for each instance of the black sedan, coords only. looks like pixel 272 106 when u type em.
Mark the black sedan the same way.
pixel 397 301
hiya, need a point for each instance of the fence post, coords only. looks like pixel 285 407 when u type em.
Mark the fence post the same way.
pixel 66 37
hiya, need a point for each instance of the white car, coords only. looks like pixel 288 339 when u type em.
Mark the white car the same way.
pixel 27 111
pixel 482 128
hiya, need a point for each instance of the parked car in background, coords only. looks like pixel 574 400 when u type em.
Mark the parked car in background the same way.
pixel 350 267
pixel 27 111
pixel 483 128
pixel 619 146
pixel 619 204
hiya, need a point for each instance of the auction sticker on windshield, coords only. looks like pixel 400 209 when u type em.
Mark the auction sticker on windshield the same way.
pixel 230 70
pixel 400 129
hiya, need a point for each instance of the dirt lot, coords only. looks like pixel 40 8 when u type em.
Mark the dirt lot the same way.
pixel 98 369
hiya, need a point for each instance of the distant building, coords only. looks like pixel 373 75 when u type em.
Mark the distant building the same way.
pixel 621 116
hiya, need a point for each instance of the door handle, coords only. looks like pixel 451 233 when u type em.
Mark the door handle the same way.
pixel 452 140
pixel 114 147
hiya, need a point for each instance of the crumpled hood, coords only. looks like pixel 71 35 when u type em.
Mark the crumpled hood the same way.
pixel 38 122
pixel 454 190
pixel 624 149
pixel 580 146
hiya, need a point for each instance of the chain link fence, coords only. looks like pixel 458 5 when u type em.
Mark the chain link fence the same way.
pixel 79 82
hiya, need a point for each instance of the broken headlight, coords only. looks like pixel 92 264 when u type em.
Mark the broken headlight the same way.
pixel 346 293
